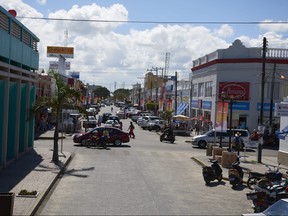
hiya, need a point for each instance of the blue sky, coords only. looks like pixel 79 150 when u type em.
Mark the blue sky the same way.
pixel 118 52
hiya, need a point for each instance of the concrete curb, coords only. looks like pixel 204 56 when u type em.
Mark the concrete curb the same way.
pixel 35 208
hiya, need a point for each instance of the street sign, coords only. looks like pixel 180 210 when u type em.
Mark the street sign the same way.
pixel 281 109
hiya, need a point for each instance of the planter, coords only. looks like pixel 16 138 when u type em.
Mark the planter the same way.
pixel 7 203
pixel 228 158
pixel 28 194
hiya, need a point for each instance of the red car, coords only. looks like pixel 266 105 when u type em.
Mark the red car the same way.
pixel 116 136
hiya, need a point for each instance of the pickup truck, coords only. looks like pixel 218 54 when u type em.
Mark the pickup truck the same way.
pixel 90 122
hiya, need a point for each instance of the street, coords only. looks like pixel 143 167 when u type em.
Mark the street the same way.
pixel 142 177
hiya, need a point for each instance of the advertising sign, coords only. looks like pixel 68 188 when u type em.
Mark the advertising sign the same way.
pixel 221 118
pixel 55 51
pixel 74 74
pixel 237 90
pixel 55 65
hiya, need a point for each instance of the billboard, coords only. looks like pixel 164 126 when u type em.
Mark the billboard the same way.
pixel 56 51
pixel 55 65
pixel 74 74
pixel 239 90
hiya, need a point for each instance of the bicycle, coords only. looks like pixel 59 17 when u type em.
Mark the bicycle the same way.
pixel 264 178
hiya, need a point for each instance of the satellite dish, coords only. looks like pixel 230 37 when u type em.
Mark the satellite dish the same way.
pixel 13 13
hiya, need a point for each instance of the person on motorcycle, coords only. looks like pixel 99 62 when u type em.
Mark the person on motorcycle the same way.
pixel 168 131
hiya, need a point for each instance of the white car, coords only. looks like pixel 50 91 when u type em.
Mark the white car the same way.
pixel 278 208
pixel 112 123
pixel 210 137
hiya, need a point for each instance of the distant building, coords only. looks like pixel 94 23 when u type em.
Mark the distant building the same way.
pixel 19 60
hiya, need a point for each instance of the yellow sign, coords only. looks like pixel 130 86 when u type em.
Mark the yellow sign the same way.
pixel 55 51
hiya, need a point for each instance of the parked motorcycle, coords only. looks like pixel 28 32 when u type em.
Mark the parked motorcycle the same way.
pixel 235 174
pixel 213 172
pixel 167 137
pixel 270 176
pixel 265 195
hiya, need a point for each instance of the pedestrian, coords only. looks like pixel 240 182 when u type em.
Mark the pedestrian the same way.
pixel 237 142
pixel 131 130
pixel 99 120
pixel 105 138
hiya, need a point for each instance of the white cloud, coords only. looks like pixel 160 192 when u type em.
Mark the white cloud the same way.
pixel 279 26
pixel 224 31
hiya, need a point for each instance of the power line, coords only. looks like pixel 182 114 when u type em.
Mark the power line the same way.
pixel 158 22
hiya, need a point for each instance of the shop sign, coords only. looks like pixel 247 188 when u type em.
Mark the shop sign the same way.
pixel 237 90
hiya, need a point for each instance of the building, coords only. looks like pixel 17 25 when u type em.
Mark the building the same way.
pixel 19 59
pixel 237 71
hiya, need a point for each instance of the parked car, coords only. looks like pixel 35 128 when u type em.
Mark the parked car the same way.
pixel 120 114
pixel 146 119
pixel 116 136
pixel 209 137
pixel 278 208
pixel 105 117
pixel 90 122
pixel 156 124
pixel 109 123
pixel 136 115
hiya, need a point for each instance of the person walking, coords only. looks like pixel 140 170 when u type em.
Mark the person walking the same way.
pixel 131 130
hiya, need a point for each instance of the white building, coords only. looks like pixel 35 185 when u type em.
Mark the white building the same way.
pixel 237 71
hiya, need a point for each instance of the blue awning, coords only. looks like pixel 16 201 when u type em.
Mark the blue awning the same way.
pixel 179 108
pixel 182 109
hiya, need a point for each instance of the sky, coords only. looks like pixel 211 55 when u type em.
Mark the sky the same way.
pixel 115 54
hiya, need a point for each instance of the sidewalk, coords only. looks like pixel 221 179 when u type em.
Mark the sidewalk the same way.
pixel 32 171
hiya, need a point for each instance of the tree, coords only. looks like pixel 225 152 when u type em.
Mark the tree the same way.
pixel 102 92
pixel 121 94
pixel 167 115
pixel 64 98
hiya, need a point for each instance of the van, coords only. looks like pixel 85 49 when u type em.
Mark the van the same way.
pixel 209 137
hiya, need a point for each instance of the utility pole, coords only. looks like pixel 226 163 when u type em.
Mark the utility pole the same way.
pixel 272 95
pixel 262 98
pixel 175 107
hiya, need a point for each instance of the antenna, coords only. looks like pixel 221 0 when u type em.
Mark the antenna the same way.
pixel 167 62
pixel 66 37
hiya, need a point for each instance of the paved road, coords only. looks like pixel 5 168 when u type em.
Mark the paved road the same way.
pixel 145 177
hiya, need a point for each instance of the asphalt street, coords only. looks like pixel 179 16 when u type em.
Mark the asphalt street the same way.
pixel 144 177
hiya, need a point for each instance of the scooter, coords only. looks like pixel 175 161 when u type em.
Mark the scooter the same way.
pixel 213 172
pixel 167 137
pixel 235 174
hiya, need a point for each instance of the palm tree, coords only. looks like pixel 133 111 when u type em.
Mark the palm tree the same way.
pixel 65 97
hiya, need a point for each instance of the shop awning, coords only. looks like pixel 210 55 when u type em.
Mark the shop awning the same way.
pixel 181 108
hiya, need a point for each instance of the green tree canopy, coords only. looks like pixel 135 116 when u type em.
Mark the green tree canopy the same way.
pixel 121 94
pixel 102 92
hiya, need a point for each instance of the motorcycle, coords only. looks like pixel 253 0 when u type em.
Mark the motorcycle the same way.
pixel 265 195
pixel 235 174
pixel 167 137
pixel 269 176
pixel 213 172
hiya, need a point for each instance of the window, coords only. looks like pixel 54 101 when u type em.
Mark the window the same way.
pixel 208 89
pixel 201 90
pixel 194 90
pixel 4 22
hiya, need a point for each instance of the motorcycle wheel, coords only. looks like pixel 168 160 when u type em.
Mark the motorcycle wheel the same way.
pixel 251 182
pixel 172 141
pixel 161 139
pixel 207 182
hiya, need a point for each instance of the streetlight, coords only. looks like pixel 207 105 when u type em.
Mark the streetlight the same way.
pixel 231 101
